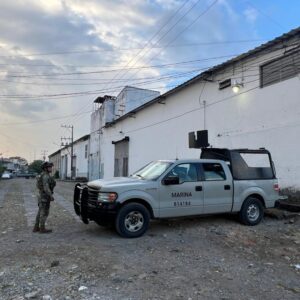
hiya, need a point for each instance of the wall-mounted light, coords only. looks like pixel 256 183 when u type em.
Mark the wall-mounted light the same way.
pixel 237 86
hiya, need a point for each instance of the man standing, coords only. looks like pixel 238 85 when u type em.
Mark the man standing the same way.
pixel 45 184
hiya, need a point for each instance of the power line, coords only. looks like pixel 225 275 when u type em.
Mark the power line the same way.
pixel 93 92
pixel 135 68
pixel 266 15
pixel 43 120
pixel 118 49
pixel 150 40
pixel 16 74
pixel 184 29
pixel 171 28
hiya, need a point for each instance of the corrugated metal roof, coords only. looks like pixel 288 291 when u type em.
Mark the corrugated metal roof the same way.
pixel 262 47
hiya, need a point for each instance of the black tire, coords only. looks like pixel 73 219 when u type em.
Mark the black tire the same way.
pixel 132 220
pixel 252 211
pixel 76 199
pixel 84 206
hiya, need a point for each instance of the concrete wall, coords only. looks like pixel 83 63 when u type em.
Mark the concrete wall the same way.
pixel 256 117
pixel 131 98
pixel 56 160
pixel 94 145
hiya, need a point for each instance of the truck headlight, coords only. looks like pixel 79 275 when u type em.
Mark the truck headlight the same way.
pixel 107 197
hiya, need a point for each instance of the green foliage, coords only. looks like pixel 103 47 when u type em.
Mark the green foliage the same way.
pixel 35 166
pixel 2 169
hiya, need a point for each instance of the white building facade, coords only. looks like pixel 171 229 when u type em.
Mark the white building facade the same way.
pixel 264 112
pixel 80 159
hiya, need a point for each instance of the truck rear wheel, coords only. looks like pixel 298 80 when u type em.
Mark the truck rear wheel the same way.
pixel 251 212
pixel 132 220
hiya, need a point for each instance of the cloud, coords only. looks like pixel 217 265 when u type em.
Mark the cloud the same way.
pixel 29 27
pixel 251 14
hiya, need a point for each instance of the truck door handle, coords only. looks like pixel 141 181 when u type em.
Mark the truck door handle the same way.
pixel 198 188
pixel 227 187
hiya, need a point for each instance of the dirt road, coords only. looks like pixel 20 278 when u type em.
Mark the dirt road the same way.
pixel 193 258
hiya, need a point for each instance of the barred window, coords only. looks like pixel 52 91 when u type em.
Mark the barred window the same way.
pixel 280 69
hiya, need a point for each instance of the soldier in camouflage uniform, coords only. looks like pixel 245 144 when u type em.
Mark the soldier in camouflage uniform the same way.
pixel 45 185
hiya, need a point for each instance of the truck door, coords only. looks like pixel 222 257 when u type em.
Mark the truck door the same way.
pixel 185 198
pixel 217 188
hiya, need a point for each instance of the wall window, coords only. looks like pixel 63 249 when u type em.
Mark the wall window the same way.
pixel 224 84
pixel 86 151
pixel 280 69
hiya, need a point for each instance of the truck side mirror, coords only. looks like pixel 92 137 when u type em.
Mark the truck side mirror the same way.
pixel 170 180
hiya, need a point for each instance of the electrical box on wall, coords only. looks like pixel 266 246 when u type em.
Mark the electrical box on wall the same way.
pixel 201 141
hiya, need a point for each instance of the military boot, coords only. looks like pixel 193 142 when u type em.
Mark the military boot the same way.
pixel 36 228
pixel 44 230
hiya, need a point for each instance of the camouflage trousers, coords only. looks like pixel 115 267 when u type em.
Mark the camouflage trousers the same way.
pixel 43 213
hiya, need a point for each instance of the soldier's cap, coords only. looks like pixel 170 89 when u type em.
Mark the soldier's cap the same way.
pixel 47 164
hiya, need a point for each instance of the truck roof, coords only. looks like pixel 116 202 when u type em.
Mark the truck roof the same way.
pixel 192 160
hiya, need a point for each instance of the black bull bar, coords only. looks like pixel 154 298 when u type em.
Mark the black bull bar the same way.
pixel 80 201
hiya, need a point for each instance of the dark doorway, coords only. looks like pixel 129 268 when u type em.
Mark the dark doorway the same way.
pixel 121 158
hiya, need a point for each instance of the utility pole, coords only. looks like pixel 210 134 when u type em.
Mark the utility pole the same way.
pixel 71 127
pixel 44 152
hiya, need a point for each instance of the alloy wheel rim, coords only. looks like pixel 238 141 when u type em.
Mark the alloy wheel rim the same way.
pixel 134 221
pixel 253 212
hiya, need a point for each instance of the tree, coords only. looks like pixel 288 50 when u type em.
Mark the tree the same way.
pixel 2 169
pixel 35 166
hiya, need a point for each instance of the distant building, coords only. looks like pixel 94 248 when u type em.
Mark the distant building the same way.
pixel 103 113
pixel 107 110
pixel 14 164
pixel 80 159
pixel 55 158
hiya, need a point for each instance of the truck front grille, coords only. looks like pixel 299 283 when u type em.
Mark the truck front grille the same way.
pixel 93 197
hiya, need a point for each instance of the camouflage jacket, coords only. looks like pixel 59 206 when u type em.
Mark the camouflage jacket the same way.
pixel 46 184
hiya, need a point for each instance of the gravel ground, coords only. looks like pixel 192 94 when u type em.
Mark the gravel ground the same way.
pixel 192 258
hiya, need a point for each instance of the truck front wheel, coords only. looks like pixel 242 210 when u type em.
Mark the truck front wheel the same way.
pixel 251 212
pixel 132 220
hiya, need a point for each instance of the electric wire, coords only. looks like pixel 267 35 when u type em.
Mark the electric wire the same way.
pixel 93 92
pixel 183 30
pixel 118 49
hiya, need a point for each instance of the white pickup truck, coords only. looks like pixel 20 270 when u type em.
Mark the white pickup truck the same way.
pixel 222 181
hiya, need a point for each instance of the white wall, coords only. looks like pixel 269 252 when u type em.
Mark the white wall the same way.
pixel 81 160
pixel 256 117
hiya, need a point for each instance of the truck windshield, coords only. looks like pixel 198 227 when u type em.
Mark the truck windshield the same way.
pixel 153 170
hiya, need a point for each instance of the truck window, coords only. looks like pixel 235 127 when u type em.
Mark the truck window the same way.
pixel 250 166
pixel 185 172
pixel 153 170
pixel 213 171
pixel 256 160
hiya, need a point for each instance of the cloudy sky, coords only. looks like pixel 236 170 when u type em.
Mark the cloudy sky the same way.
pixel 57 56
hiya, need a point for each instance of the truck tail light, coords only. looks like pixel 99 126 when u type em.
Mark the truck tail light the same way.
pixel 276 187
